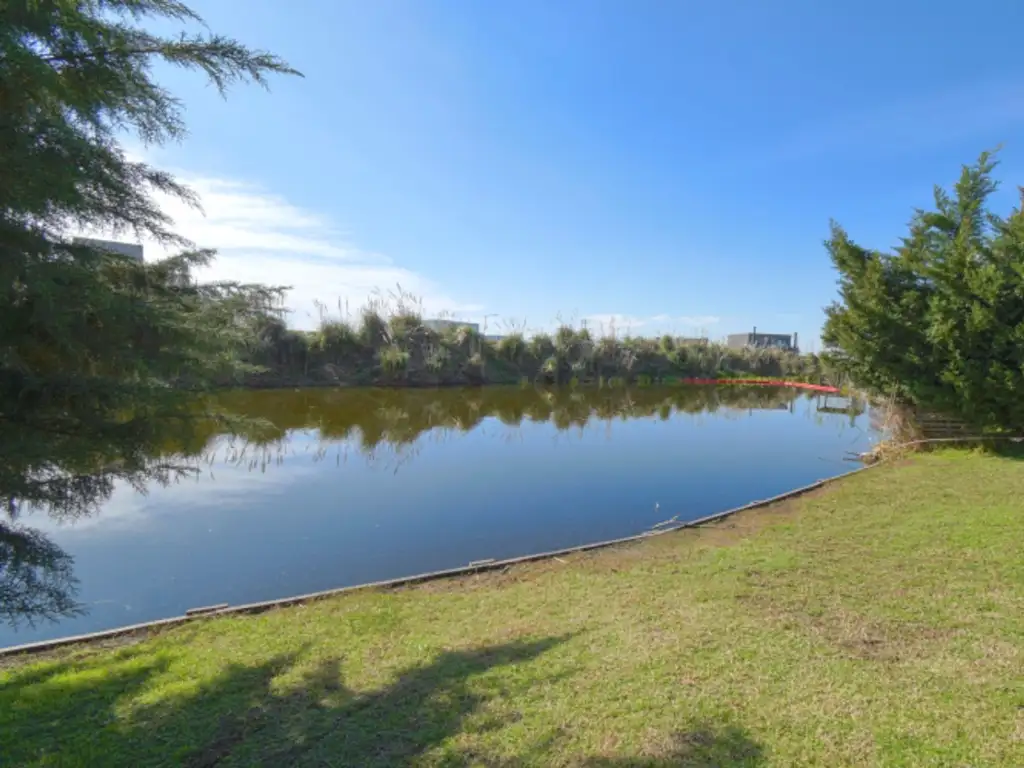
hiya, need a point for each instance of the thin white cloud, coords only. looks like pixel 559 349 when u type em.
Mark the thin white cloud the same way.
pixel 261 237
pixel 243 217
pixel 613 321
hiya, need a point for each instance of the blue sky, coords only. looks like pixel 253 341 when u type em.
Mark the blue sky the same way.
pixel 671 164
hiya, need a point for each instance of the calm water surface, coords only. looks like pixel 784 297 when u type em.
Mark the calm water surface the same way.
pixel 360 485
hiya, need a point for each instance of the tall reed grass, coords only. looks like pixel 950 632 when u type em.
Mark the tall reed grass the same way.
pixel 388 343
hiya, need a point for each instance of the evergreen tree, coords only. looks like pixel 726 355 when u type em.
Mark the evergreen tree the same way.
pixel 102 359
pixel 939 323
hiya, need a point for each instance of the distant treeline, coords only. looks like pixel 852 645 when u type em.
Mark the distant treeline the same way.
pixel 400 350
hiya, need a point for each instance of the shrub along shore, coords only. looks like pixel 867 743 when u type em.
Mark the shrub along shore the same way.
pixel 397 349
pixel 877 622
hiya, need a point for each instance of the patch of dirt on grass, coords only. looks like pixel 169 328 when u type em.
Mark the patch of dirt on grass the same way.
pixel 703 744
pixel 230 734
pixel 870 645
pixel 497 578
pixel 78 651
pixel 889 641
pixel 865 639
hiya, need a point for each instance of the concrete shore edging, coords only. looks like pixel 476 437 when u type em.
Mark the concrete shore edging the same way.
pixel 483 566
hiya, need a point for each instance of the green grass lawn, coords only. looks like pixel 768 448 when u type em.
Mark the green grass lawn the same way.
pixel 879 622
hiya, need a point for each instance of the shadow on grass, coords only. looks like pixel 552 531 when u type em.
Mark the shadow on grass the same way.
pixel 96 712
pixel 323 723
pixel 135 708
pixel 1007 449
pixel 36 706
pixel 702 745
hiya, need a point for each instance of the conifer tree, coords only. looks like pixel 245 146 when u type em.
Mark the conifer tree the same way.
pixel 939 323
pixel 102 359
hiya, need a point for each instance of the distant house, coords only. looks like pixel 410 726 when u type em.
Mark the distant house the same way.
pixel 440 326
pixel 132 250
pixel 493 337
pixel 757 340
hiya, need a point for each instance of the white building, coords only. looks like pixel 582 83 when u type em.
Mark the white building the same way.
pixel 131 250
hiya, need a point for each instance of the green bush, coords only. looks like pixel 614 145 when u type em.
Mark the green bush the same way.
pixel 511 347
pixel 335 339
pixel 406 327
pixel 393 358
pixel 437 358
pixel 541 347
pixel 565 339
pixel 373 331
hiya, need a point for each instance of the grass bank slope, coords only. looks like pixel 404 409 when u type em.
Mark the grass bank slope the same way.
pixel 880 622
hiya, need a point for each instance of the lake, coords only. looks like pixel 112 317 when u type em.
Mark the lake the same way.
pixel 351 486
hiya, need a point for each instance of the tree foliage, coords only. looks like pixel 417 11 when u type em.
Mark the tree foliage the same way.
pixel 38 580
pixel 101 357
pixel 939 323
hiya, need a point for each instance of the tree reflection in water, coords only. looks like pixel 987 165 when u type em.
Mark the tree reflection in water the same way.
pixel 252 430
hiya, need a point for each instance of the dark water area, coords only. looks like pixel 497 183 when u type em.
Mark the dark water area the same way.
pixel 351 486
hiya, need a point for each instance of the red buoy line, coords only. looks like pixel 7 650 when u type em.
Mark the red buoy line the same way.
pixel 768 383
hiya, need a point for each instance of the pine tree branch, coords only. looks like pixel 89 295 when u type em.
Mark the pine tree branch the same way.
pixel 222 59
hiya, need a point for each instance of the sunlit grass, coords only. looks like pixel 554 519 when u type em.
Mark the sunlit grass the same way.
pixel 880 622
